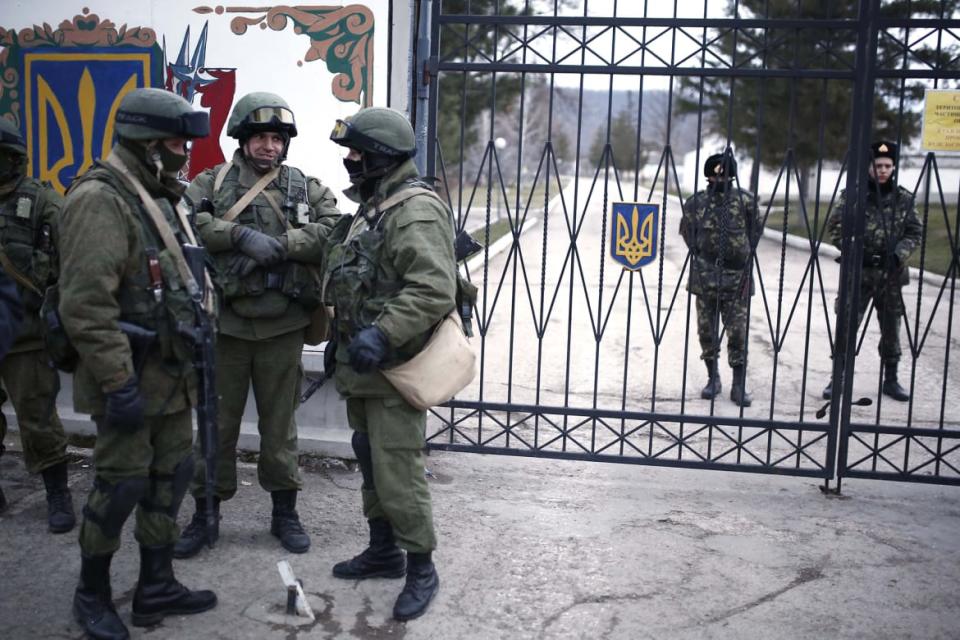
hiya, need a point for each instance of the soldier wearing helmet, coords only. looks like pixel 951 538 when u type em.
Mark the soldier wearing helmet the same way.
pixel 246 208
pixel 392 277
pixel 28 253
pixel 122 241
pixel 721 226
pixel 892 232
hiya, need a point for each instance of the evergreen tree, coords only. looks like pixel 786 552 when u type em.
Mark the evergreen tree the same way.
pixel 621 138
pixel 765 117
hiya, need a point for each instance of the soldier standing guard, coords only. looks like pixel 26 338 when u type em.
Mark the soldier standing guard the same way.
pixel 891 233
pixel 254 200
pixel 29 211
pixel 721 226
pixel 123 239
pixel 392 278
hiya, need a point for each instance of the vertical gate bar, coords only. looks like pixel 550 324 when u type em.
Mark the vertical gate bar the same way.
pixel 611 159
pixel 491 156
pixel 432 140
pixel 516 208
pixel 952 274
pixel 421 92
pixel 861 125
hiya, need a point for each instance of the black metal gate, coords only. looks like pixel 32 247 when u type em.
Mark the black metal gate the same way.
pixel 544 114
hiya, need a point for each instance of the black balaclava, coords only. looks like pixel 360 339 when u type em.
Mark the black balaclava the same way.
pixel 13 166
pixel 367 172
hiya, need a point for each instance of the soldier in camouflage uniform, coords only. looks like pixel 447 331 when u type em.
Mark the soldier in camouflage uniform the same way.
pixel 268 298
pixel 721 226
pixel 11 315
pixel 892 232
pixel 392 277
pixel 28 234
pixel 122 260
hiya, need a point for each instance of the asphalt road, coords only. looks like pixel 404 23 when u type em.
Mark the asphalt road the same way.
pixel 534 548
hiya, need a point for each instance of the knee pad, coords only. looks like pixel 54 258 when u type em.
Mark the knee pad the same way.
pixel 177 483
pixel 361 447
pixel 121 497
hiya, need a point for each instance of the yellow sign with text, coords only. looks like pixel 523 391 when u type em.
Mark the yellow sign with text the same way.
pixel 941 120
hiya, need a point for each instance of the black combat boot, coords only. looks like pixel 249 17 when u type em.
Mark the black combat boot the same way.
pixel 738 390
pixel 891 387
pixel 382 559
pixel 60 516
pixel 93 601
pixel 714 386
pixel 422 584
pixel 195 535
pixel 159 594
pixel 285 523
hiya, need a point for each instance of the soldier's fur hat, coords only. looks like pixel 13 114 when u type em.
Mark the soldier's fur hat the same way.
pixel 721 166
pixel 884 149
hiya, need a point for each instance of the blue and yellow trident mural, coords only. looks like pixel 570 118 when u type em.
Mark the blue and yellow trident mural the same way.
pixel 633 233
pixel 63 86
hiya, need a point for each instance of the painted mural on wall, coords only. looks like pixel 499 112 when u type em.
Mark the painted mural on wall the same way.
pixel 62 85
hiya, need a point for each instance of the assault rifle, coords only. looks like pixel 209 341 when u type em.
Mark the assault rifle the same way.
pixel 201 337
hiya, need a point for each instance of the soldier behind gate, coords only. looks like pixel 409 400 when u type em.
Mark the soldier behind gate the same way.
pixel 891 233
pixel 721 225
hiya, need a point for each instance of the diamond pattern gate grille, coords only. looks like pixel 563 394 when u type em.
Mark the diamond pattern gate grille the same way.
pixel 543 115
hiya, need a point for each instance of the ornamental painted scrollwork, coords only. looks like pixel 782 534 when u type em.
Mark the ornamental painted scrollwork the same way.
pixel 84 30
pixel 341 36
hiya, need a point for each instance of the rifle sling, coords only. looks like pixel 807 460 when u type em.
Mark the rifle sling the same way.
pixel 166 233
pixel 248 197
pixel 16 275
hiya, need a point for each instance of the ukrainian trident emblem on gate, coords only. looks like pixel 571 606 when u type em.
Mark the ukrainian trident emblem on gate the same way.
pixel 633 233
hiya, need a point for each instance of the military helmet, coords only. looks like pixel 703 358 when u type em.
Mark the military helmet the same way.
pixel 377 130
pixel 260 111
pixel 153 114
pixel 10 138
pixel 721 166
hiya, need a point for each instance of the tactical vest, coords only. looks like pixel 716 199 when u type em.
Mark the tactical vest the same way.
pixel 266 293
pixel 154 296
pixel 359 284
pixel 27 241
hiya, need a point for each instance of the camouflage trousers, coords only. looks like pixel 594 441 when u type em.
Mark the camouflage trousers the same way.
pixel 148 470
pixel 887 302
pixel 272 367
pixel 31 384
pixel 397 489
pixel 733 311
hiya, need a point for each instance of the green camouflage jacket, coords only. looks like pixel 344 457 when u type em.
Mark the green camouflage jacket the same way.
pixel 29 215
pixel 104 239
pixel 395 270
pixel 891 228
pixel 251 310
pixel 721 228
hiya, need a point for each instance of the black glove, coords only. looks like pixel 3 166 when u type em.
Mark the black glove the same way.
pixel 264 249
pixel 241 265
pixel 125 407
pixel 367 349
